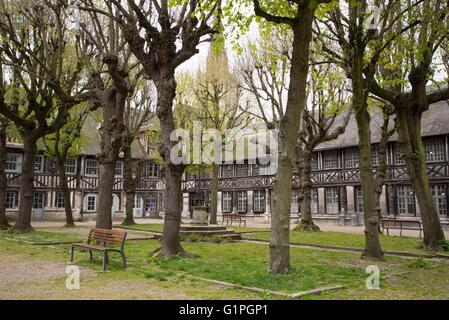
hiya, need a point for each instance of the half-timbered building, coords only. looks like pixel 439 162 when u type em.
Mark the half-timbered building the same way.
pixel 337 197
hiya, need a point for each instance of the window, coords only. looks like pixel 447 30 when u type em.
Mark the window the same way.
pixel 91 203
pixel 205 175
pixel 439 196
pixel 434 148
pixel 227 201
pixel 242 170
pixel 314 161
pixel 151 203
pixel 150 170
pixel 406 200
pixel 119 168
pixel 70 166
pixel 330 159
pixel 352 158
pixel 375 154
pixel 294 202
pixel 398 159
pixel 227 171
pixel 190 176
pixel 10 200
pixel 242 205
pixel 259 201
pixel 260 169
pixel 13 162
pixel 314 203
pixel 91 167
pixel 331 200
pixel 39 164
pixel 358 199
pixel 59 202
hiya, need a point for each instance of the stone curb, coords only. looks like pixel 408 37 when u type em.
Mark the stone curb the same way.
pixel 388 252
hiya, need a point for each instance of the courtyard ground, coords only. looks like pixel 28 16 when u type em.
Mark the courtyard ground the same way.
pixel 30 271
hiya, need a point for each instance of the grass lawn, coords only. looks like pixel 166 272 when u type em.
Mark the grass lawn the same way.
pixel 160 227
pixel 350 240
pixel 238 263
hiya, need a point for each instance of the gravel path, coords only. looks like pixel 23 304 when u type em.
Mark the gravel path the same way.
pixel 13 271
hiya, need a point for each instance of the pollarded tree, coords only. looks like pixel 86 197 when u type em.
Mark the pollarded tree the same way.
pixel 410 65
pixel 299 16
pixel 137 112
pixel 318 125
pixel 218 97
pixel 39 57
pixel 3 180
pixel 265 69
pixel 113 74
pixel 352 39
pixel 163 35
pixel 65 144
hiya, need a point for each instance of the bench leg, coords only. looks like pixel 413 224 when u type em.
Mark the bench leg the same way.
pixel 90 255
pixel 105 257
pixel 124 259
pixel 71 254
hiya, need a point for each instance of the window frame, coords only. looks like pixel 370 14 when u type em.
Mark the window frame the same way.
pixel 332 204
pixel 14 200
pixel 326 154
pixel 86 167
pixel 74 166
pixel 17 163
pixel 242 202
pixel 225 200
pixel 89 196
pixel 259 198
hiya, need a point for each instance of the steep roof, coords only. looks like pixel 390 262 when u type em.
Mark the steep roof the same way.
pixel 435 121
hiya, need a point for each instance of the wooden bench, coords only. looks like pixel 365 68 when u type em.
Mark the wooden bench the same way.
pixel 229 217
pixel 401 224
pixel 103 237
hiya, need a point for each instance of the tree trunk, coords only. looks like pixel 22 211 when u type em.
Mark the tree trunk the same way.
pixel 408 125
pixel 166 89
pixel 26 193
pixel 105 188
pixel 66 193
pixel 372 244
pixel 3 180
pixel 130 185
pixel 214 195
pixel 280 221
pixel 113 103
pixel 305 193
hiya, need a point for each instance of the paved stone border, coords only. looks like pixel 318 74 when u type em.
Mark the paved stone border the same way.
pixel 388 252
pixel 276 293
pixel 135 229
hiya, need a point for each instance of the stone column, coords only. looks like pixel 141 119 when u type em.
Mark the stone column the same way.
pixel 185 205
pixel 392 200
pixel 235 200
pixel 267 215
pixel 250 195
pixel 418 211
pixel 383 200
pixel 219 202
pixel 350 199
pixel 321 204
